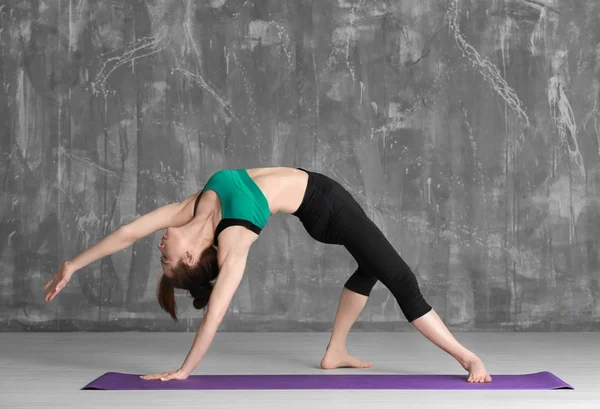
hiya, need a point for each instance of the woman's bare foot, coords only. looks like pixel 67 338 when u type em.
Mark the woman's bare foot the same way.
pixel 477 372
pixel 340 358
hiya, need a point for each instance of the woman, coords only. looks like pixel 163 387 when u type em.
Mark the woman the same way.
pixel 208 236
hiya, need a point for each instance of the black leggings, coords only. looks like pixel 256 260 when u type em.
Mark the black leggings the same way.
pixel 331 215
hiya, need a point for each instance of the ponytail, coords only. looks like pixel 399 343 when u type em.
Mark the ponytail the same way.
pixel 166 296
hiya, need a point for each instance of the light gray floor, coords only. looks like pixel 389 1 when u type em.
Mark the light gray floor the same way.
pixel 46 370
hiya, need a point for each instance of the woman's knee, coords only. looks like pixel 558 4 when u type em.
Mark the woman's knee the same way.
pixel 405 289
pixel 361 282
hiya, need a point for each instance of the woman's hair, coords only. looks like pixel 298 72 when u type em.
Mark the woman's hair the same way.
pixel 196 279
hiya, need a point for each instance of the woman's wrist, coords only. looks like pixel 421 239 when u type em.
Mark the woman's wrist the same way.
pixel 70 267
pixel 185 371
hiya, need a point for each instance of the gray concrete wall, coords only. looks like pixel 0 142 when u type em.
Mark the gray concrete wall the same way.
pixel 468 130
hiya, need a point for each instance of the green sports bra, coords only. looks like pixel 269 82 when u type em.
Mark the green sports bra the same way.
pixel 242 201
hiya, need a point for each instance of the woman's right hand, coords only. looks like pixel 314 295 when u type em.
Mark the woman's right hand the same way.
pixel 59 281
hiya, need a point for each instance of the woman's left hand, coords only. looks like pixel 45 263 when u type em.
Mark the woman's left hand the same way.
pixel 167 376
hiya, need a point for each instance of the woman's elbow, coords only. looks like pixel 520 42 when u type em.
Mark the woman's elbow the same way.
pixel 126 234
pixel 215 315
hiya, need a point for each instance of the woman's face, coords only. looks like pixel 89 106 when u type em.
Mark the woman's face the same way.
pixel 172 247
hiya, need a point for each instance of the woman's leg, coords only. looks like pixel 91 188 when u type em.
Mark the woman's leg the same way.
pixel 349 308
pixel 352 301
pixel 432 327
pixel 375 254
pixel 347 224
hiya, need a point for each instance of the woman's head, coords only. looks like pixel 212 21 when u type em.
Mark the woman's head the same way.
pixel 195 277
pixel 176 245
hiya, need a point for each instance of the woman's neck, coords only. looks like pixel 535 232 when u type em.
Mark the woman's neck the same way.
pixel 201 229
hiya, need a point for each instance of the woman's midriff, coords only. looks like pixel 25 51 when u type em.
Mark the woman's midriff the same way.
pixel 283 187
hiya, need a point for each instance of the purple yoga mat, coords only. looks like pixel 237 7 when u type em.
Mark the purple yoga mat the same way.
pixel 120 381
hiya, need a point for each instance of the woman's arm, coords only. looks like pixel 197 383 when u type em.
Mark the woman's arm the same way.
pixel 115 241
pixel 230 276
pixel 234 245
pixel 171 215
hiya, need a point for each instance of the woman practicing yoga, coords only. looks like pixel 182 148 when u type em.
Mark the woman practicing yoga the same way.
pixel 208 237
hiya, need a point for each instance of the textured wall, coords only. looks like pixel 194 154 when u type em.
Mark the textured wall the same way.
pixel 469 130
